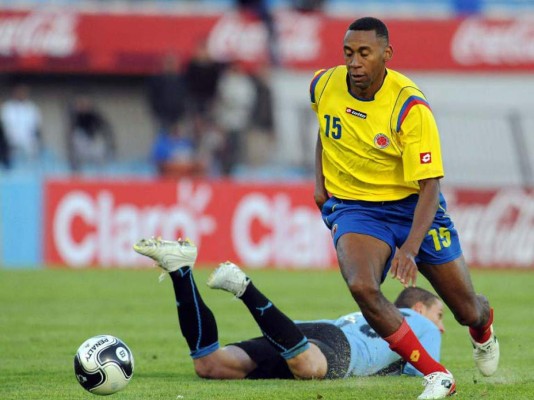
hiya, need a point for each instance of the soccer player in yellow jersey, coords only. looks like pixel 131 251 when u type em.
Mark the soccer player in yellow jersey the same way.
pixel 378 166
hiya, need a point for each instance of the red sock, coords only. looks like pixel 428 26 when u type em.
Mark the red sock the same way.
pixel 482 334
pixel 405 343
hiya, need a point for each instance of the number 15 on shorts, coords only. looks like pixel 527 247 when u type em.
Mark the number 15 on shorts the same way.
pixel 441 237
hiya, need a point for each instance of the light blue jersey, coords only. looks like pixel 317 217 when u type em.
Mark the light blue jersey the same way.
pixel 370 354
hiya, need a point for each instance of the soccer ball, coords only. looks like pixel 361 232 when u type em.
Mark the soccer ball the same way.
pixel 103 364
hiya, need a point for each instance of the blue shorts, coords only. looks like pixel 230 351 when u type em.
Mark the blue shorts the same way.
pixel 391 221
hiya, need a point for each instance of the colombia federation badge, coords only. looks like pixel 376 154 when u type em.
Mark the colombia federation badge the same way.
pixel 381 141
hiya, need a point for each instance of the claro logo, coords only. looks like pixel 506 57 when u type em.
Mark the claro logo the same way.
pixel 252 228
pixel 90 229
pixel 292 235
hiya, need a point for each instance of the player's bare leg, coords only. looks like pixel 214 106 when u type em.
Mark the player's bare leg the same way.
pixel 309 364
pixel 229 362
pixel 453 284
pixel 362 259
pixel 304 359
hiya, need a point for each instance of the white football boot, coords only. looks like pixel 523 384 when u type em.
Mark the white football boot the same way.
pixel 486 354
pixel 170 255
pixel 438 385
pixel 229 277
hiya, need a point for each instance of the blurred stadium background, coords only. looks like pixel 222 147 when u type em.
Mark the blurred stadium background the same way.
pixel 252 200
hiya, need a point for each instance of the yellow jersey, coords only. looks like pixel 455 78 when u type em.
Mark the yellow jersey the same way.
pixel 378 149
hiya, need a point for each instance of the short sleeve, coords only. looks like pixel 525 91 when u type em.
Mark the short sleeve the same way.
pixel 316 88
pixel 418 132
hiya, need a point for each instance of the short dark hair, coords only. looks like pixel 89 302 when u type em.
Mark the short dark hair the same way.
pixel 371 24
pixel 411 295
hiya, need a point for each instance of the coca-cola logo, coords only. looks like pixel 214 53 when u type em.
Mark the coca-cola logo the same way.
pixel 237 38
pixel 40 33
pixel 499 232
pixel 489 42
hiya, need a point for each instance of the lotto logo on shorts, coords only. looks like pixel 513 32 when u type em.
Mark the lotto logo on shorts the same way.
pixel 425 158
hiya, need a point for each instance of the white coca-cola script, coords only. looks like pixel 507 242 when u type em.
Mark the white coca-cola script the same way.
pixel 509 43
pixel 38 34
pixel 234 37
pixel 498 233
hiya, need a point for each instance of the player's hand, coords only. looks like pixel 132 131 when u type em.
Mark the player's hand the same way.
pixel 404 268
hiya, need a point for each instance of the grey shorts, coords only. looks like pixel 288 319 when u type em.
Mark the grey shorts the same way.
pixel 271 365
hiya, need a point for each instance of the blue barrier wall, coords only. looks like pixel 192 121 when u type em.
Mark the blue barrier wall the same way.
pixel 21 221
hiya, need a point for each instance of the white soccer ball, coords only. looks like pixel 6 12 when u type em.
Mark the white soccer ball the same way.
pixel 103 364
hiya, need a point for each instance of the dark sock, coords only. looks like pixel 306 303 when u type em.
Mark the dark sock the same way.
pixel 196 319
pixel 274 324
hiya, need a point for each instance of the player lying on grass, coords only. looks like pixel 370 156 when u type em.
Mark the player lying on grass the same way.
pixel 314 349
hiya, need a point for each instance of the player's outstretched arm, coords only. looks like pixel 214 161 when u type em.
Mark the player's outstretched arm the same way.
pixel 403 266
pixel 320 194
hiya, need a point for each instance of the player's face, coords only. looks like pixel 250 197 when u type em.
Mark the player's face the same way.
pixel 365 57
pixel 434 313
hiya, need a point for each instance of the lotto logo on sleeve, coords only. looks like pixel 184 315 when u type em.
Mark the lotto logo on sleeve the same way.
pixel 425 158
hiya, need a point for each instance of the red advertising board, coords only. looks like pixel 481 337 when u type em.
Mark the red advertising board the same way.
pixel 496 226
pixel 96 223
pixel 256 225
pixel 68 41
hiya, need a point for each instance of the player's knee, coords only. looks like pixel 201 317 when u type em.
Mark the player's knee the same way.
pixel 308 370
pixel 207 370
pixel 311 364
pixel 363 291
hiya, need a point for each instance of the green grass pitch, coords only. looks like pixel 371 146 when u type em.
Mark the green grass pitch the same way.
pixel 46 314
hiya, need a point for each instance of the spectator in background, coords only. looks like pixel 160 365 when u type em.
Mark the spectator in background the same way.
pixel 308 5
pixel 167 92
pixel 90 139
pixel 260 9
pixel 202 76
pixel 260 139
pixel 467 7
pixel 236 96
pixel 4 149
pixel 263 107
pixel 175 153
pixel 21 123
